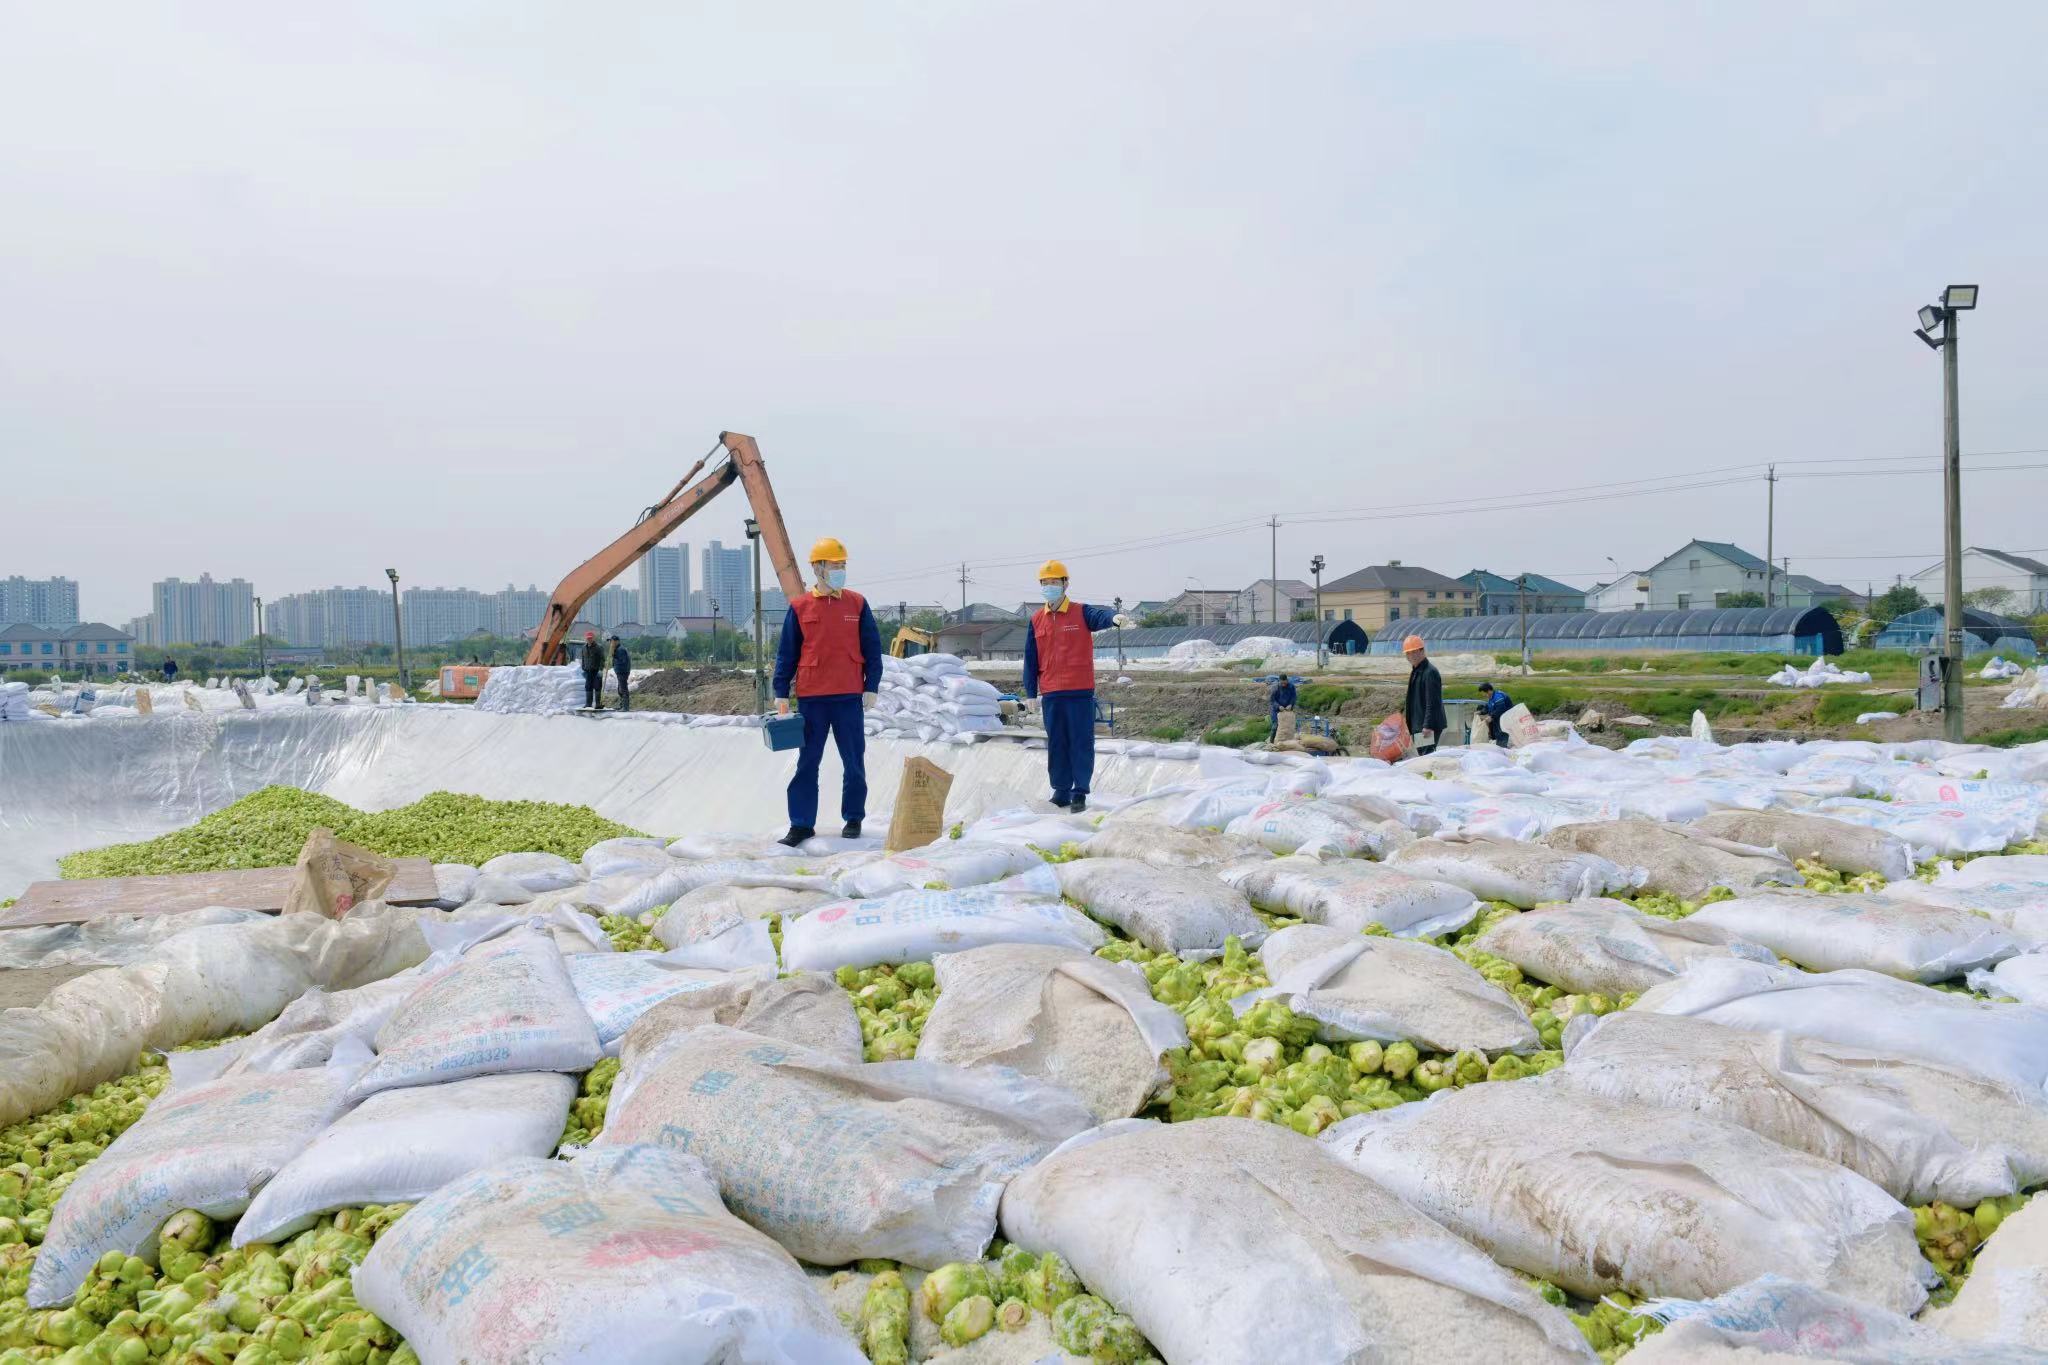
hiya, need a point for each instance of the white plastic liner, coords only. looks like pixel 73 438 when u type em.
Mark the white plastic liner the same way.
pixel 624 1256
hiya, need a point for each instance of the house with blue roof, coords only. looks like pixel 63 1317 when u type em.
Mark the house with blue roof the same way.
pixel 1505 595
pixel 1701 573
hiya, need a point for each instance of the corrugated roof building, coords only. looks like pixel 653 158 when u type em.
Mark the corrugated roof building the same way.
pixel 1740 630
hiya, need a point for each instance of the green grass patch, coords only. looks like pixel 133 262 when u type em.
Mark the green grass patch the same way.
pixel 1235 734
pixel 1674 706
pixel 1322 699
pixel 267 829
pixel 2010 739
pixel 1169 733
pixel 1842 708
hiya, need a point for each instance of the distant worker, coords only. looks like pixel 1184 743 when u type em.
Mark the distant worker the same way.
pixel 622 665
pixel 593 672
pixel 1425 705
pixel 1494 704
pixel 831 652
pixel 1059 671
pixel 1280 699
pixel 170 670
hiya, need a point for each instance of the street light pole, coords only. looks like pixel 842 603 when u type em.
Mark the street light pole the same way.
pixel 1955 299
pixel 262 656
pixel 1118 603
pixel 760 678
pixel 1315 566
pixel 397 629
pixel 1522 604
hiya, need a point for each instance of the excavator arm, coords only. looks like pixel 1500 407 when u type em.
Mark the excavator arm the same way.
pixel 741 463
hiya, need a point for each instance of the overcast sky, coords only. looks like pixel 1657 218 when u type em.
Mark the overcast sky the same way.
pixel 298 292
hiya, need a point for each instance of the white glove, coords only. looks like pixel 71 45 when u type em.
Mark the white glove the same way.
pixel 1125 621
pixel 782 706
pixel 868 700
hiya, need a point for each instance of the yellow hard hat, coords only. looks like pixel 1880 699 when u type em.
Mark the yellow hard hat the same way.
pixel 828 550
pixel 1052 568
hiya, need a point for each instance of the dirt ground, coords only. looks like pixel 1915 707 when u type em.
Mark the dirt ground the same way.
pixel 701 691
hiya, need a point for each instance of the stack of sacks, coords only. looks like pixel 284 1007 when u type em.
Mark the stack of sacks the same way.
pixel 14 701
pixel 932 697
pixel 538 690
pixel 1819 674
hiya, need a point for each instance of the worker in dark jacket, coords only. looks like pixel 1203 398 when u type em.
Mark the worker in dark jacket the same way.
pixel 593 672
pixel 1059 672
pixel 622 665
pixel 831 655
pixel 1281 698
pixel 170 670
pixel 1493 704
pixel 1425 705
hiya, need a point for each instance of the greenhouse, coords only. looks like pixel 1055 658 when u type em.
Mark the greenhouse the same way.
pixel 1154 642
pixel 1984 632
pixel 1739 630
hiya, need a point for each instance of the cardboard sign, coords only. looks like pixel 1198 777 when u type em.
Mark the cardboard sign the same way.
pixel 920 814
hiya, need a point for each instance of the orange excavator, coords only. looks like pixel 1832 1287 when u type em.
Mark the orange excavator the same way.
pixel 738 460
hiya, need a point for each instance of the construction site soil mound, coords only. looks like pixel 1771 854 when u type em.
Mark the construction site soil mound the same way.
pixel 700 691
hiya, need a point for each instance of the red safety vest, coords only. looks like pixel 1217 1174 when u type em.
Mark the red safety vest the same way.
pixel 829 664
pixel 1066 649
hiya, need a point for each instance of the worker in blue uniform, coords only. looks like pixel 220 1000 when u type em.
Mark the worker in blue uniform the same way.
pixel 1493 704
pixel 1059 672
pixel 1281 698
pixel 831 657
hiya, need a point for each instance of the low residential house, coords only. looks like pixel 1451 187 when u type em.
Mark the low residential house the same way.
pixel 1385 593
pixel 1802 590
pixel 979 612
pixel 1259 602
pixel 983 639
pixel 1992 570
pixel 1201 607
pixel 90 647
pixel 1508 595
pixel 1702 573
pixel 681 627
pixel 1630 592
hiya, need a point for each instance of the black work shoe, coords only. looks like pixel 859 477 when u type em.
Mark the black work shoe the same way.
pixel 797 834
pixel 1080 803
pixel 852 830
pixel 1062 804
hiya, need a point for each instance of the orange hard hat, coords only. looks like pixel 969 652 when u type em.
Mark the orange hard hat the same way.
pixel 1412 642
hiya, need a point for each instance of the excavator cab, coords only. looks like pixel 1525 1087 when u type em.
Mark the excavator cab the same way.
pixel 912 641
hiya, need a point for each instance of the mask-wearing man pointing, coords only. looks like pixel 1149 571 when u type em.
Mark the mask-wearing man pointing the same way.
pixel 830 657
pixel 1059 670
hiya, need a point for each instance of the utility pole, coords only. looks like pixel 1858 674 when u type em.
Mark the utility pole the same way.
pixel 397 629
pixel 262 656
pixel 1274 523
pixel 1770 528
pixel 760 677
pixel 963 588
pixel 1118 604
pixel 1522 604
pixel 1955 299
pixel 1315 566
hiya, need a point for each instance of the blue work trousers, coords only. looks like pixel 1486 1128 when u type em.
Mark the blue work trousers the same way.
pixel 1069 742
pixel 841 718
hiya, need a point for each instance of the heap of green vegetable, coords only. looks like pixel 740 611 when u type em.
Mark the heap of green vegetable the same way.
pixel 269 827
pixel 969 1299
pixel 892 1002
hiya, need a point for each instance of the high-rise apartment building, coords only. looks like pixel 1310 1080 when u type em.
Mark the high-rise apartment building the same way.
pixel 517 610
pixel 612 606
pixel 435 616
pixel 729 581
pixel 664 583
pixel 205 612
pixel 38 601
pixel 330 617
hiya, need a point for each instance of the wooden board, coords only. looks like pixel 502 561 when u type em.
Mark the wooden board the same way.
pixel 253 888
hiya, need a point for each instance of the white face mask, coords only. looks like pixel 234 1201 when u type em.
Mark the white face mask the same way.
pixel 1052 592
pixel 835 579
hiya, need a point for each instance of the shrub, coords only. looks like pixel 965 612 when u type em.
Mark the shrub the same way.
pixel 1322 698
pixel 1235 734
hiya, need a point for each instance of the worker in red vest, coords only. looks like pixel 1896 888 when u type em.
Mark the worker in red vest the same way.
pixel 1059 671
pixel 831 657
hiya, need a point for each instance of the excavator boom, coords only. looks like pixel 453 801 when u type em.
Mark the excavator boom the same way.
pixel 742 463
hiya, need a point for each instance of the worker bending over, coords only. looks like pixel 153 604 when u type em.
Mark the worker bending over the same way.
pixel 1424 707
pixel 1280 699
pixel 830 658
pixel 1493 704
pixel 593 672
pixel 622 667
pixel 1059 671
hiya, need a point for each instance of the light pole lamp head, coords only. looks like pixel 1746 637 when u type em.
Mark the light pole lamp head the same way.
pixel 1959 297
pixel 391 574
pixel 753 529
pixel 1930 317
